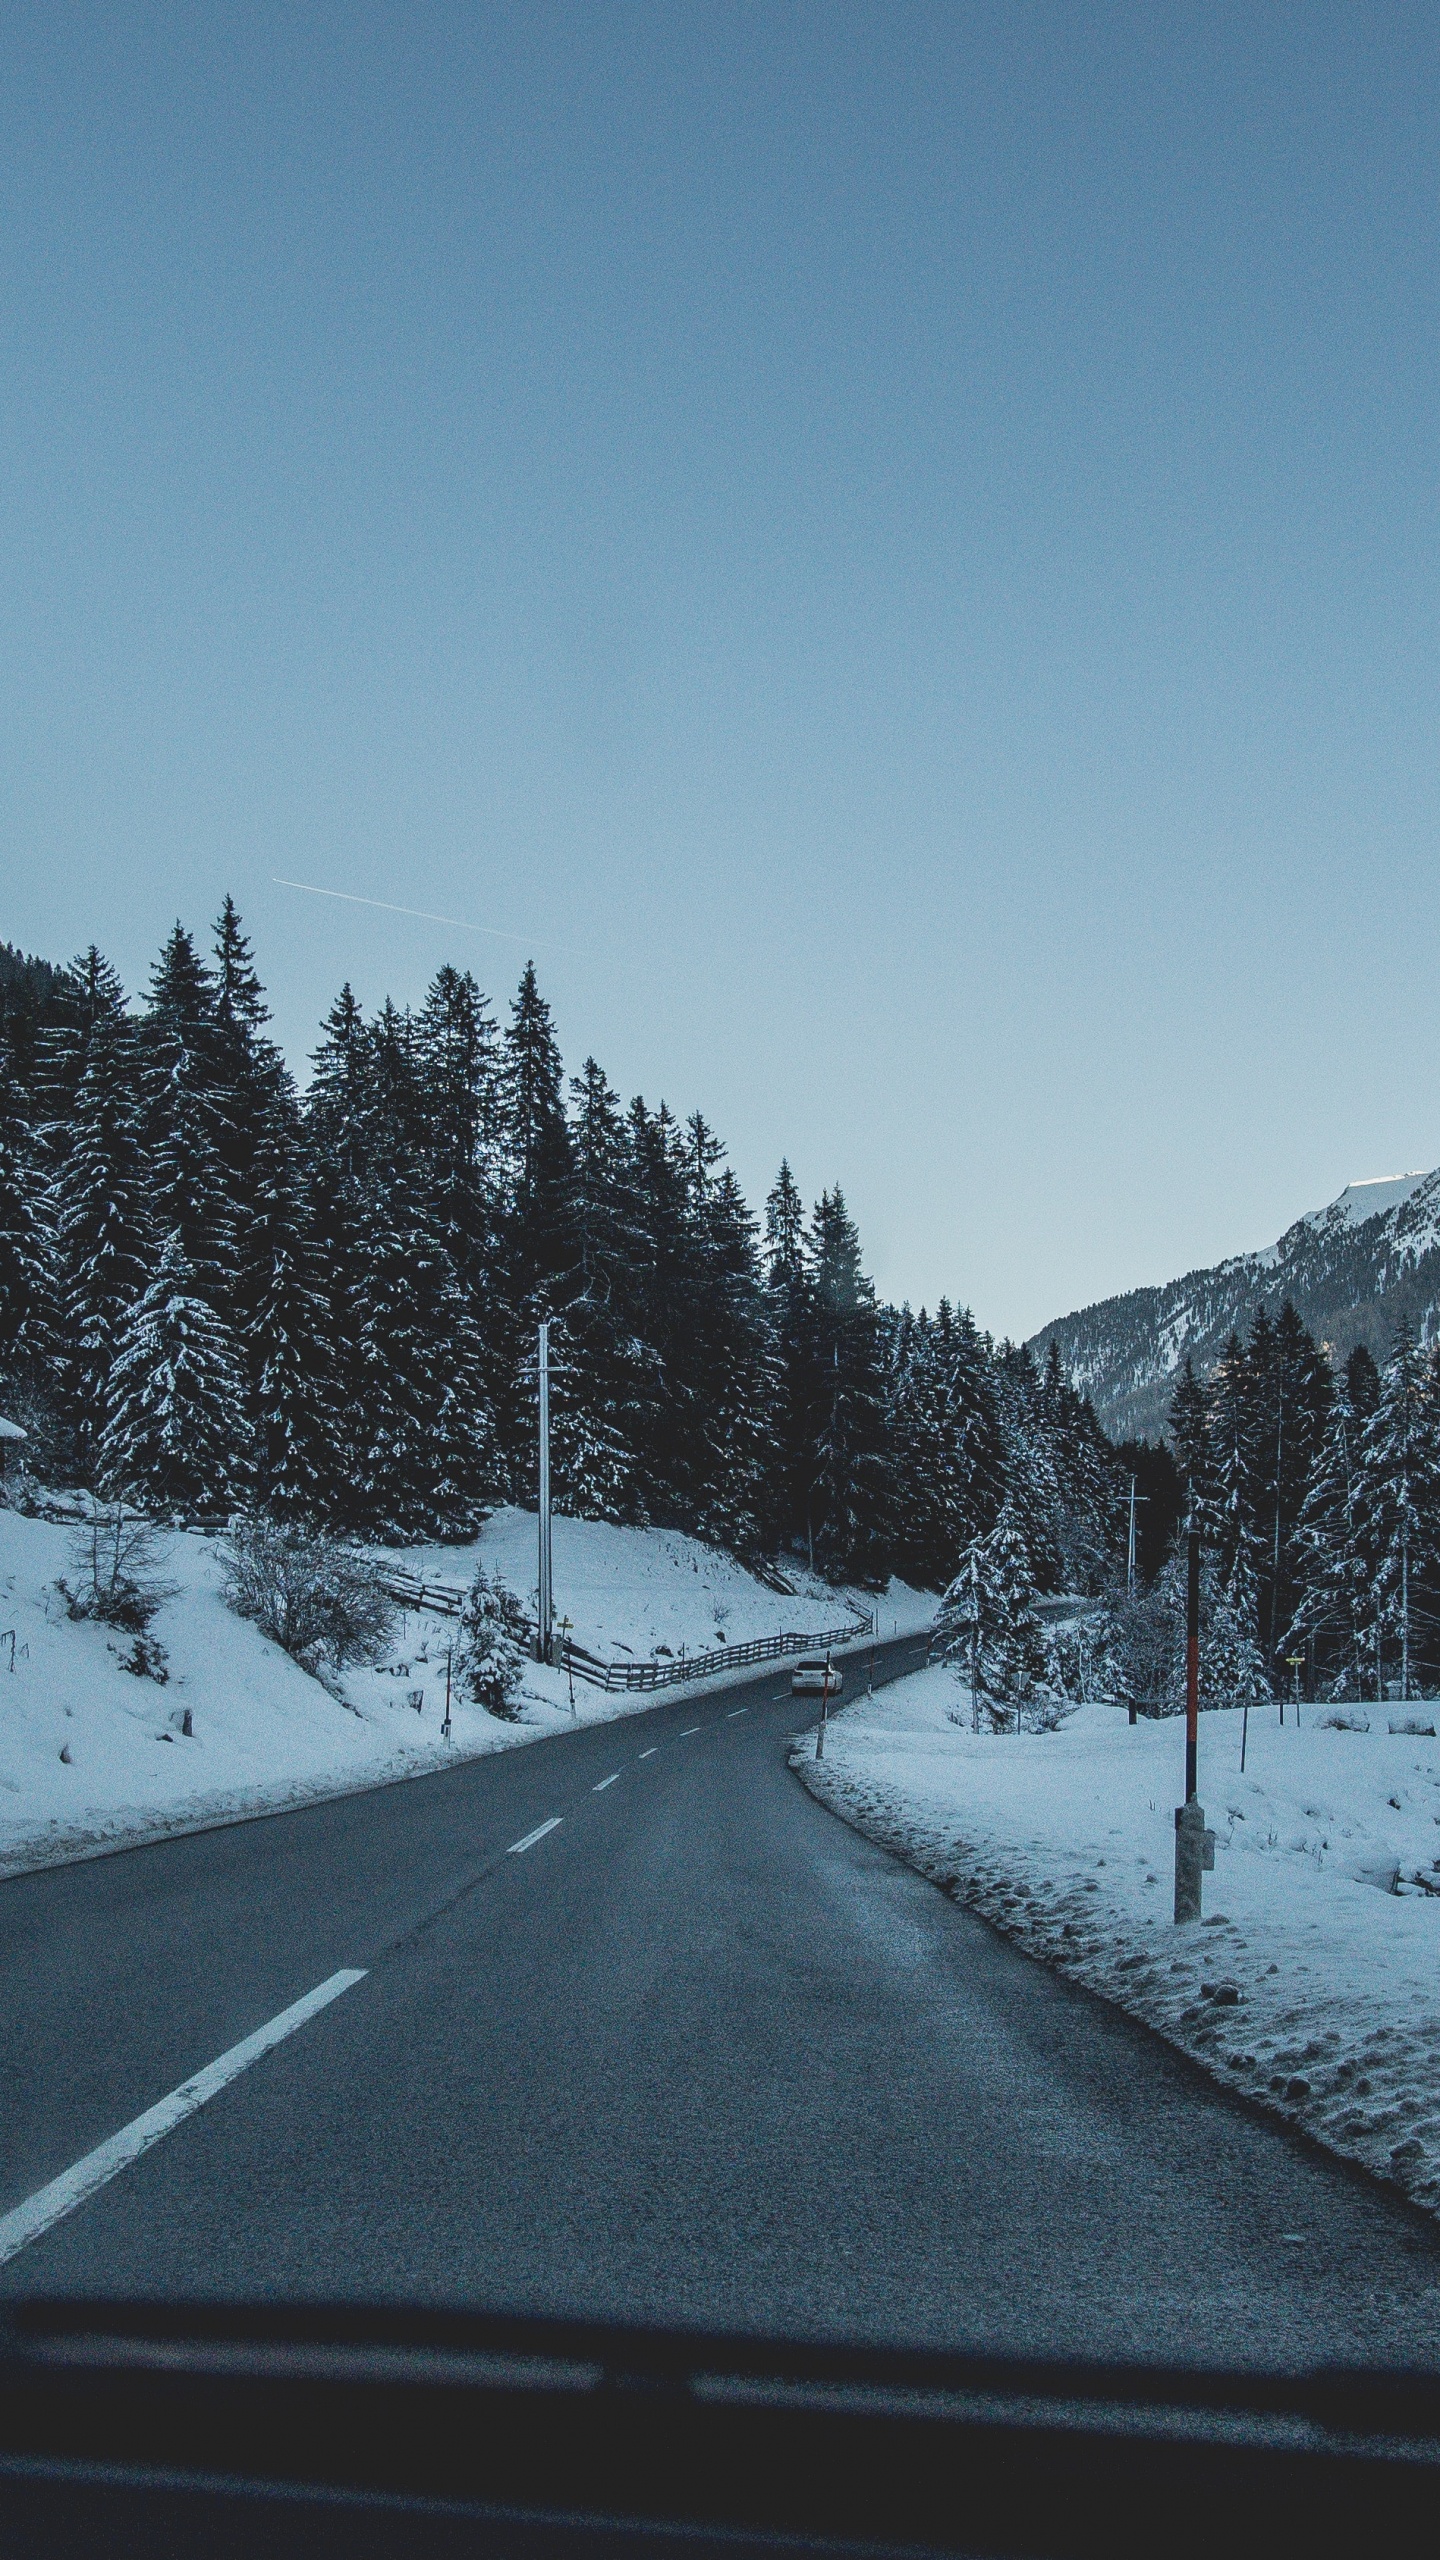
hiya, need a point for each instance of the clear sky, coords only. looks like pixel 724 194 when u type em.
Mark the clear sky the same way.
pixel 893 546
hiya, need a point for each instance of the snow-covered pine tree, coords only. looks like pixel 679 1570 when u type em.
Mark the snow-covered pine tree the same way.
pixel 1230 1515
pixel 537 1146
pixel 490 1657
pixel 93 993
pixel 104 1240
pixel 285 1344
pixel 1188 1426
pixel 1333 1608
pixel 26 1250
pixel 1399 1499
pixel 604 1369
pixel 850 1480
pixel 739 1365
pixel 1232 1658
pixel 1290 1385
pixel 787 1286
pixel 458 1069
pixel 419 1429
pixel 185 1130
pixel 176 1437
pixel 988 1625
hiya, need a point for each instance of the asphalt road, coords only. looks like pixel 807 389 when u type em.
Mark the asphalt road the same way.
pixel 699 2053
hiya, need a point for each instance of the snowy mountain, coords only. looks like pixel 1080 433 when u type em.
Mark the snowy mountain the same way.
pixel 1351 1270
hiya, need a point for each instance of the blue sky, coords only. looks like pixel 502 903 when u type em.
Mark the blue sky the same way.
pixel 894 547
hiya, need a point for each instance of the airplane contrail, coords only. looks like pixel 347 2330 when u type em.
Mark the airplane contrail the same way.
pixel 348 898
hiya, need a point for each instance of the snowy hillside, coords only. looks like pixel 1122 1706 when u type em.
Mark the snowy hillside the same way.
pixel 1351 1269
pixel 263 1733
pixel 1311 1985
pixel 650 1591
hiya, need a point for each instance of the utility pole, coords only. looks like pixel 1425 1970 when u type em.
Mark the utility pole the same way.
pixel 1135 1498
pixel 974 1643
pixel 546 1610
pixel 1194 1845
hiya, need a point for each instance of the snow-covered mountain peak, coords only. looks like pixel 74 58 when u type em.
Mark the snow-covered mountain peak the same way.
pixel 1352 1269
pixel 1368 1199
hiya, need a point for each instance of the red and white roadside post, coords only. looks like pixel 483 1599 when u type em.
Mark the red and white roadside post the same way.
pixel 1194 1845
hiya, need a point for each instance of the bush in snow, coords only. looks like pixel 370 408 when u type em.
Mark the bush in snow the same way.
pixel 115 1559
pixel 318 1597
pixel 491 1652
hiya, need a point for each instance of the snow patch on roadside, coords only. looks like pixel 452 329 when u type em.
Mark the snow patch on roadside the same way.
pixel 1312 1984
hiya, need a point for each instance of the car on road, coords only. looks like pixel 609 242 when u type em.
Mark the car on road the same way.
pixel 808 1679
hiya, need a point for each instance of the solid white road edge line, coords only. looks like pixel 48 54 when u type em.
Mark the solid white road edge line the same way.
pixel 605 1782
pixel 537 1834
pixel 73 2186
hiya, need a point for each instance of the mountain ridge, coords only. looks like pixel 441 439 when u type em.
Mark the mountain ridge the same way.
pixel 1352 1271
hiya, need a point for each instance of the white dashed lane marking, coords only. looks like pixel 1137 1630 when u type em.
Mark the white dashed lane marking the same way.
pixel 537 1834
pixel 605 1782
pixel 689 1729
pixel 650 1754
pixel 51 2204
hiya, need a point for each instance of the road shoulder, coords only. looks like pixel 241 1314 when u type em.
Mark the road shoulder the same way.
pixel 1306 1991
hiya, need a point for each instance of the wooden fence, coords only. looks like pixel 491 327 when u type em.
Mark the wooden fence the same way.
pixel 445 1600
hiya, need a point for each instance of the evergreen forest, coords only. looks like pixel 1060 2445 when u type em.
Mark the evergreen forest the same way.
pixel 219 1291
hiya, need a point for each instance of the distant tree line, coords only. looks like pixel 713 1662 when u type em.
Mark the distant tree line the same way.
pixel 219 1292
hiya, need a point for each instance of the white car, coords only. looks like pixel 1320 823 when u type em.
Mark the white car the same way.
pixel 808 1680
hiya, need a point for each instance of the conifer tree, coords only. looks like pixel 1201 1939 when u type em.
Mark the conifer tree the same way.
pixel 850 1485
pixel 192 1193
pixel 1333 1607
pixel 420 1433
pixel 988 1625
pixel 176 1436
pixel 26 1266
pixel 1189 1429
pixel 537 1141
pixel 104 1246
pixel 1399 1493
pixel 285 1345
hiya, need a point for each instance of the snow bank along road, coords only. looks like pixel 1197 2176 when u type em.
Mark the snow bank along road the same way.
pixel 627 2023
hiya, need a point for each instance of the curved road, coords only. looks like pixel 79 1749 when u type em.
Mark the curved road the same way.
pixel 697 2053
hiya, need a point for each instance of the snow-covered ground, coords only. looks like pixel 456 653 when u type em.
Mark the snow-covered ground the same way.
pixel 264 1734
pixel 646 1591
pixel 1312 1983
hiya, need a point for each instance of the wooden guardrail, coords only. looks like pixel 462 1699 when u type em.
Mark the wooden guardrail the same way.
pixel 446 1599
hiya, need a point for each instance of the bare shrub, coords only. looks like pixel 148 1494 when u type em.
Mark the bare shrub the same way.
pixel 115 1559
pixel 318 1597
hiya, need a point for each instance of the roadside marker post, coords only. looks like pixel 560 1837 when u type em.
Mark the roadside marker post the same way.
pixel 1296 1662
pixel 824 1712
pixel 1194 1845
